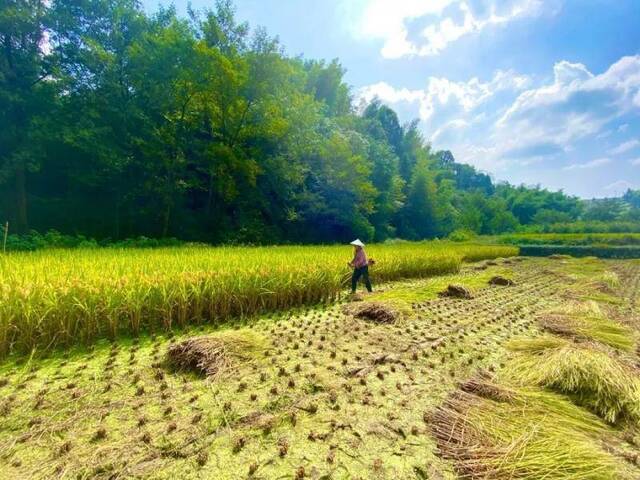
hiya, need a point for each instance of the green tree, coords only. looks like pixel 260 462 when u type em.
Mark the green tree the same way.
pixel 632 197
pixel 545 216
pixel 420 215
pixel 325 83
pixel 116 123
pixel 27 96
pixel 604 210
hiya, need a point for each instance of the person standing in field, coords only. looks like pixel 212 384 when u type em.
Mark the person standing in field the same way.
pixel 360 266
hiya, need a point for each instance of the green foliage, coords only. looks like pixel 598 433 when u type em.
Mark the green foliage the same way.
pixel 54 239
pixel 464 176
pixel 526 203
pixel 420 216
pixel 546 216
pixel 631 251
pixel 204 129
pixel 632 197
pixel 604 210
pixel 461 235
pixel 571 239
pixel 582 226
pixel 484 215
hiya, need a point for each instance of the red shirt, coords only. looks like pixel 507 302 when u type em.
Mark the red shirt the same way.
pixel 360 259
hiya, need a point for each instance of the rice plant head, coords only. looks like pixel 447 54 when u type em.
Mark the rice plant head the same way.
pixel 59 298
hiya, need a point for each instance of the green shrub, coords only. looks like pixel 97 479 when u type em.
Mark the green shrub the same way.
pixel 462 235
pixel 587 227
pixel 632 251
pixel 587 239
pixel 53 239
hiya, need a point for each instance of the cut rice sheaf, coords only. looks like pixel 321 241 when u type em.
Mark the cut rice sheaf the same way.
pixel 586 371
pixel 491 431
pixel 456 291
pixel 589 328
pixel 213 355
pixel 379 312
pixel 587 321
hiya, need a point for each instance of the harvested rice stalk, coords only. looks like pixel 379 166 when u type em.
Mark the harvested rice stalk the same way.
pixel 486 388
pixel 607 282
pixel 214 354
pixel 589 327
pixel 379 312
pixel 501 281
pixel 587 372
pixel 536 345
pixel 523 434
pixel 456 291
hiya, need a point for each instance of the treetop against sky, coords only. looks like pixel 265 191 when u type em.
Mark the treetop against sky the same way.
pixel 533 91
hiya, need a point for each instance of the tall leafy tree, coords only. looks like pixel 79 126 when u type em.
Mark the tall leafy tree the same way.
pixel 27 96
pixel 117 123
pixel 420 215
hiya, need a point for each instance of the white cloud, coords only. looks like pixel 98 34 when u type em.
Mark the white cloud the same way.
pixel 576 105
pixel 598 162
pixel 386 20
pixel 620 186
pixel 625 147
pixel 438 36
pixel 389 94
pixel 623 127
pixel 441 91
pixel 510 121
pixel 456 124
pixel 635 161
pixel 389 21
pixel 566 73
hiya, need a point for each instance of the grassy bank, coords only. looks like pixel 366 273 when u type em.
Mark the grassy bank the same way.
pixel 604 251
pixel 599 239
pixel 62 297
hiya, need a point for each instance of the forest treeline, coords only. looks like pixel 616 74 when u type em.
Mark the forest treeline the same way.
pixel 115 123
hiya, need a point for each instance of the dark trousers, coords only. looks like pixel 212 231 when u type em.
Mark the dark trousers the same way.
pixel 360 272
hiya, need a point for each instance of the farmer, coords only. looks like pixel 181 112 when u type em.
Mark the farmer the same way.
pixel 360 266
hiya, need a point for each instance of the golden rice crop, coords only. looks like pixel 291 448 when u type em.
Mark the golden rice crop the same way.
pixel 62 297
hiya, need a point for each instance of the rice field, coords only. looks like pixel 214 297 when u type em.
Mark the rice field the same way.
pixel 533 378
pixel 59 298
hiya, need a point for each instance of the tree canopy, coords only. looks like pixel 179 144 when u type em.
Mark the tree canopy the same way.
pixel 115 123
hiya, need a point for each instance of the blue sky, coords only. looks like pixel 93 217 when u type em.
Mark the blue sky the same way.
pixel 531 91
